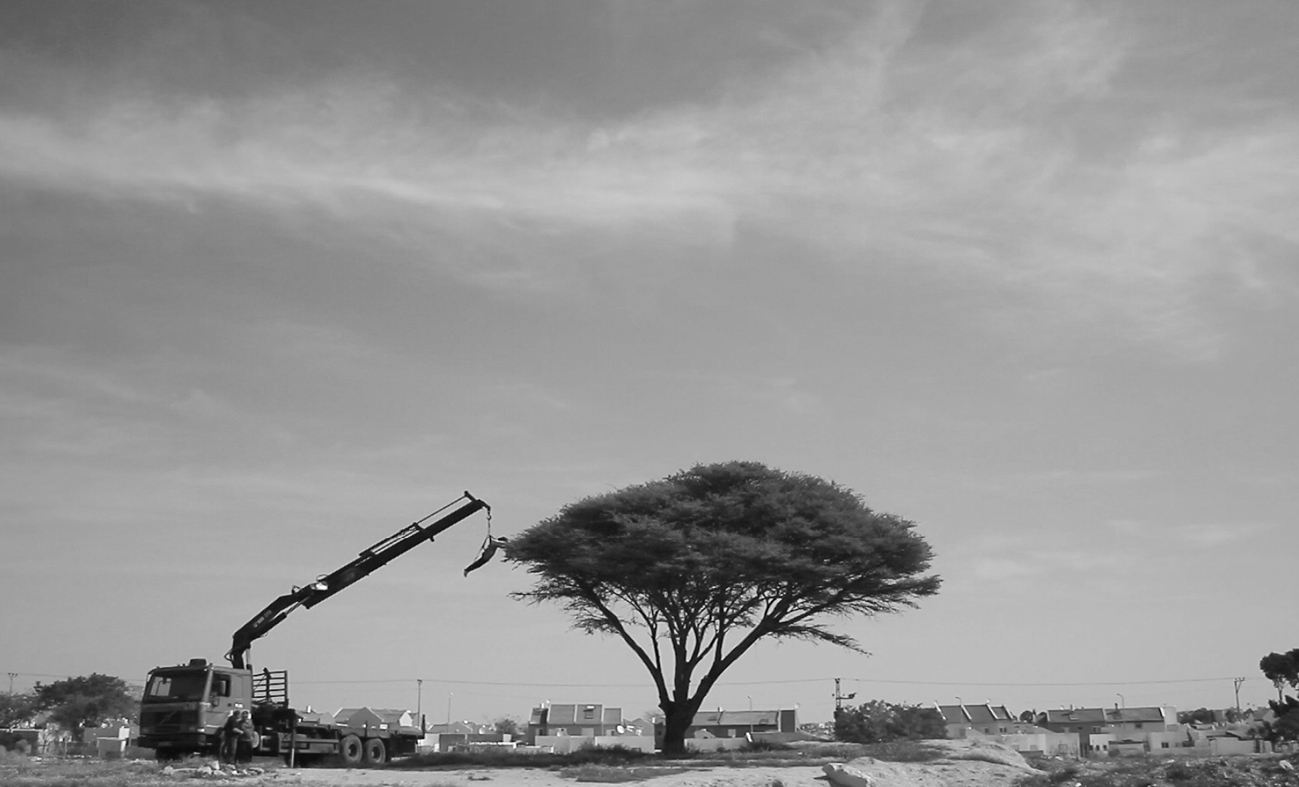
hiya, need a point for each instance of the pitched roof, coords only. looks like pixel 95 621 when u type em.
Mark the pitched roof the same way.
pixel 1127 715
pixel 735 718
pixel 1076 716
pixel 385 715
pixel 454 728
pixel 974 714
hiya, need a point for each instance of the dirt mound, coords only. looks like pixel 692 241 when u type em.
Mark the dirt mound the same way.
pixel 957 763
pixel 984 751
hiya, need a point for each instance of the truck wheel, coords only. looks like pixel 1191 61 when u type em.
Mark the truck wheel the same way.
pixel 375 751
pixel 351 750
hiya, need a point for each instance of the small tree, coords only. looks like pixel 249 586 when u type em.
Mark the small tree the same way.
pixel 692 570
pixel 506 725
pixel 879 722
pixel 16 709
pixel 1281 669
pixel 77 703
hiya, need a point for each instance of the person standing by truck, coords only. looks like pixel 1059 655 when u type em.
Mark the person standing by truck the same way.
pixel 248 738
pixel 228 739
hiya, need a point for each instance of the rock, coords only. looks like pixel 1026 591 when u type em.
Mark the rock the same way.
pixel 1286 766
pixel 845 775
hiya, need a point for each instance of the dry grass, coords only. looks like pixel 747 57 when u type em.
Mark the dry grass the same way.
pixel 19 771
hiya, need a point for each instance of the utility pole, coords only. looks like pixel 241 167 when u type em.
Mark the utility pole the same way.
pixel 12 675
pixel 839 697
pixel 1237 682
pixel 419 701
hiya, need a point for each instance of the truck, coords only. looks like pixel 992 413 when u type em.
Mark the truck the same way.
pixel 185 706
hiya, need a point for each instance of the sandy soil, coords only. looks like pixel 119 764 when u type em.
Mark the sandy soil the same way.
pixel 952 771
pixel 935 774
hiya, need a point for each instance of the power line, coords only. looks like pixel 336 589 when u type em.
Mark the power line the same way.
pixel 772 682
pixel 1034 685
pixel 641 684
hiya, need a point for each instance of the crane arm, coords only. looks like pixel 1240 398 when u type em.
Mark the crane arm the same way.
pixel 365 564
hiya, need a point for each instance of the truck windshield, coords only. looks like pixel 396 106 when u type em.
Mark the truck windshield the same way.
pixel 174 686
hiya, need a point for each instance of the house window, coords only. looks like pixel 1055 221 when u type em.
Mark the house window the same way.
pixel 588 712
pixel 1164 745
pixel 1138 725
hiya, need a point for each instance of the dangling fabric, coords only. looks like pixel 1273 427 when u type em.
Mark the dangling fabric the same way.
pixel 490 547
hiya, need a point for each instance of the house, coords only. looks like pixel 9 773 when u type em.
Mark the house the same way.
pixel 1078 720
pixel 1149 719
pixel 1119 731
pixel 444 737
pixel 585 720
pixel 738 723
pixel 987 719
pixel 376 719
pixel 723 729
pixel 1083 722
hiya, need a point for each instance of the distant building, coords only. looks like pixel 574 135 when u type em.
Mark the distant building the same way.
pixel 738 723
pixel 585 720
pixel 1118 731
pixel 376 718
pixel 987 719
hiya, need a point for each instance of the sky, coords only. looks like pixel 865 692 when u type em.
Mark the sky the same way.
pixel 277 279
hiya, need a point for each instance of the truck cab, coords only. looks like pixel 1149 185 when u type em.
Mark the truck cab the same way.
pixel 184 707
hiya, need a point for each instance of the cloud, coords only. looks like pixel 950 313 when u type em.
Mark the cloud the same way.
pixel 1008 156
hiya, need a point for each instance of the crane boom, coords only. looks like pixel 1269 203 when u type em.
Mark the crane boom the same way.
pixel 365 564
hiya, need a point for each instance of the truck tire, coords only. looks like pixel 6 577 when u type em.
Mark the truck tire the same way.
pixel 375 752
pixel 351 750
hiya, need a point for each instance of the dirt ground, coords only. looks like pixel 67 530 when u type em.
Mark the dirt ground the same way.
pixel 953 771
pixel 934 774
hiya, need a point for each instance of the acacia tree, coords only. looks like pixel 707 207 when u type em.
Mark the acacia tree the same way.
pixel 692 570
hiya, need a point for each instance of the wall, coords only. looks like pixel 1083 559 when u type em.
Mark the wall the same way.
pixel 716 744
pixel 562 744
pixel 1227 744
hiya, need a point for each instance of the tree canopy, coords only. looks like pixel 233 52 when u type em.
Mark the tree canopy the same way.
pixel 692 570
pixel 16 709
pixel 1282 669
pixel 86 701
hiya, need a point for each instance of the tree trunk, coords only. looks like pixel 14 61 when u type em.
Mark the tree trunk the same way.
pixel 676 720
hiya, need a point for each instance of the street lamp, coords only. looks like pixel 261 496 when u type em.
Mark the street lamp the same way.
pixel 750 716
pixel 1122 702
pixel 450 694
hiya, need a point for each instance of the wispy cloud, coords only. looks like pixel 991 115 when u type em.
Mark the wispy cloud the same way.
pixel 1007 158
